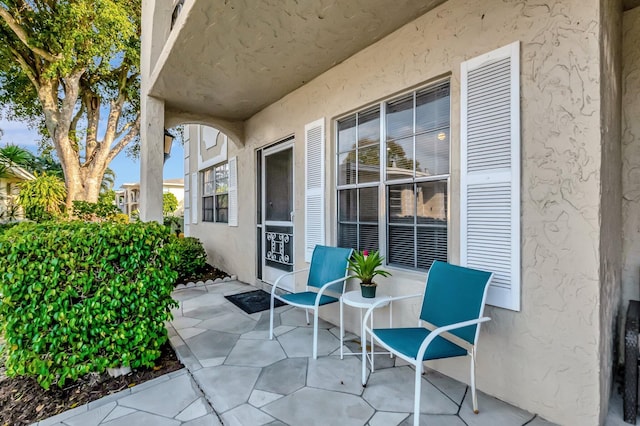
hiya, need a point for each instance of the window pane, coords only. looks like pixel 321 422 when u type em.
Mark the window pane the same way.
pixel 278 186
pixel 369 205
pixel 432 245
pixel 347 235
pixel 432 153
pixel 369 127
pixel 207 209
pixel 369 239
pixel 207 181
pixel 400 159
pixel 432 108
pixel 400 118
pixel 432 203
pixel 347 134
pixel 347 205
pixel 222 178
pixel 347 168
pixel 401 203
pixel 369 164
pixel 401 246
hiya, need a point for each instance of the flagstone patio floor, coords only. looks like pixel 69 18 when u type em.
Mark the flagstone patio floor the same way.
pixel 235 375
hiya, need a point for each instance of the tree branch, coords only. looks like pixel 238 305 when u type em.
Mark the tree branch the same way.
pixel 133 132
pixel 22 35
pixel 28 69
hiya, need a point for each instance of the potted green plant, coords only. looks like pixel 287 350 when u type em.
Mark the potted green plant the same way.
pixel 365 266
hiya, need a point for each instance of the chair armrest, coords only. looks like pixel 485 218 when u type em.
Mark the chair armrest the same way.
pixel 383 301
pixel 326 286
pixel 438 331
pixel 275 284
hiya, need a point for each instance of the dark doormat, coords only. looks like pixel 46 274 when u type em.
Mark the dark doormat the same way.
pixel 253 301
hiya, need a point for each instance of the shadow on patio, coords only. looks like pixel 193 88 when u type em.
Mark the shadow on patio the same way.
pixel 251 380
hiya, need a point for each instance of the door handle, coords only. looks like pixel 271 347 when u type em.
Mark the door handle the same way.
pixel 292 214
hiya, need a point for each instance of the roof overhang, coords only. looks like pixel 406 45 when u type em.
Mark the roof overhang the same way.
pixel 231 59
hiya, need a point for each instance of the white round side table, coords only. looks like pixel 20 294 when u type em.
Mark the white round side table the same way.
pixel 355 299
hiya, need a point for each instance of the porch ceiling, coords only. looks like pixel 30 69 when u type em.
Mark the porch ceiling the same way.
pixel 630 4
pixel 231 59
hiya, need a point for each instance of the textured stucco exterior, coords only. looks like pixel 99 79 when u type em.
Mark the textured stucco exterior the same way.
pixel 631 156
pixel 611 191
pixel 554 356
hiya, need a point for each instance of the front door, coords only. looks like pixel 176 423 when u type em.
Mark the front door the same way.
pixel 277 211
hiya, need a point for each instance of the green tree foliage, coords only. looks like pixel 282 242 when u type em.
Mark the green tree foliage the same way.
pixel 82 297
pixel 42 198
pixel 169 203
pixel 65 63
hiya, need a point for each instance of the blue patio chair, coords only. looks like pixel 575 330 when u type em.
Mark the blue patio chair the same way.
pixel 452 307
pixel 327 272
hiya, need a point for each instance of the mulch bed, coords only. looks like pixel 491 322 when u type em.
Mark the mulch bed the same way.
pixel 23 401
pixel 208 273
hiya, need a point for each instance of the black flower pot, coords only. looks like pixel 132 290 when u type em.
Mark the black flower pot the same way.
pixel 368 290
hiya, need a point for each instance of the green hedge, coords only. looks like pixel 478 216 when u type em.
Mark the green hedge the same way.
pixel 192 258
pixel 81 297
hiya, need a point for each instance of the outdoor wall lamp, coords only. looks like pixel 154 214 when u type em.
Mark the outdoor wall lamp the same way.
pixel 168 140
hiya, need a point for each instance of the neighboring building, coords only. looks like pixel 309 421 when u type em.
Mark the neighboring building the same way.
pixel 498 134
pixel 9 189
pixel 128 197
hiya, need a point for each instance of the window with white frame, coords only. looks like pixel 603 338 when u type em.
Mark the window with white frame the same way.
pixel 215 193
pixel 397 205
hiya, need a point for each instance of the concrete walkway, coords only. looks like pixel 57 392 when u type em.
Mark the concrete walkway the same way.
pixel 237 376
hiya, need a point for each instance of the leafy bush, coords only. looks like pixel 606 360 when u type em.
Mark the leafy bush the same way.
pixel 192 257
pixel 87 211
pixel 43 197
pixel 81 297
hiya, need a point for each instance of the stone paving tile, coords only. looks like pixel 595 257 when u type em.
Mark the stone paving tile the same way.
pixel 382 418
pixel 320 407
pixel 296 317
pixel 226 386
pixel 229 322
pixel 492 412
pixel 140 418
pixel 188 293
pixel 259 398
pixel 299 342
pixel 92 417
pixel 208 420
pixel 539 421
pixel 450 387
pixel 273 380
pixel 185 333
pixel 119 412
pixel 184 322
pixel 392 390
pixel 440 420
pixel 154 400
pixel 198 408
pixel 211 344
pixel 246 415
pixel 332 373
pixel 255 353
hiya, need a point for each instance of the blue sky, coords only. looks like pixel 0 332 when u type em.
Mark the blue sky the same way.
pixel 127 170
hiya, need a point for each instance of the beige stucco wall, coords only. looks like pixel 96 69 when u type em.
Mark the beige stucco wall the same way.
pixel 545 358
pixel 631 156
pixel 611 191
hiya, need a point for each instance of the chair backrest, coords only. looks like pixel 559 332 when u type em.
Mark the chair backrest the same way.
pixel 455 294
pixel 328 264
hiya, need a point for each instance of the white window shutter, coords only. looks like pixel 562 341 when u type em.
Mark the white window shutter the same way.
pixel 490 171
pixel 194 198
pixel 233 191
pixel 314 187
